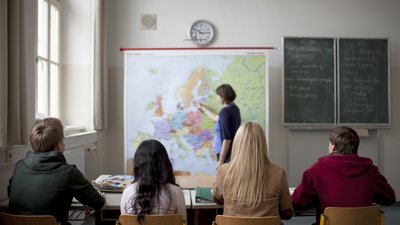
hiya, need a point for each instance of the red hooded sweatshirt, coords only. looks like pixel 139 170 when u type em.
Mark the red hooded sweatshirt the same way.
pixel 340 180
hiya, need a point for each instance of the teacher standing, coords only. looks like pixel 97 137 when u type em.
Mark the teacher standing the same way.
pixel 228 121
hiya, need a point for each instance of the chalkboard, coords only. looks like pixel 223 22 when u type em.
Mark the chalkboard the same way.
pixel 363 81
pixel 309 80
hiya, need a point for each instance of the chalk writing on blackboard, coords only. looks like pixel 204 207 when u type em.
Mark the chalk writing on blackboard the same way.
pixel 317 90
pixel 363 81
pixel 309 80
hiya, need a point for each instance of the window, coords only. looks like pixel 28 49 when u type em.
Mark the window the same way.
pixel 64 81
pixel 48 59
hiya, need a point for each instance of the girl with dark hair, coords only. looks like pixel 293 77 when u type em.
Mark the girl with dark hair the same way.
pixel 153 190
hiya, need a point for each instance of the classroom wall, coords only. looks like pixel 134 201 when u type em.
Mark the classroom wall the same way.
pixel 76 73
pixel 258 23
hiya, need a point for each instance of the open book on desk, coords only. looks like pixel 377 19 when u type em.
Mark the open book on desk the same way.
pixel 113 183
pixel 203 195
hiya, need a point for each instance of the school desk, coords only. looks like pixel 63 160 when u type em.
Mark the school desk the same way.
pixel 198 206
pixel 185 182
pixel 193 181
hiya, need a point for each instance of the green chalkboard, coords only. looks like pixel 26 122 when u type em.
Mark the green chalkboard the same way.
pixel 309 81
pixel 363 81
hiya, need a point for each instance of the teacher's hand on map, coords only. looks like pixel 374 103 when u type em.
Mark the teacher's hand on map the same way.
pixel 199 105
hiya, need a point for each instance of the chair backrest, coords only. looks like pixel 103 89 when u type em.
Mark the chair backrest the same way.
pixel 181 173
pixel 239 220
pixel 369 215
pixel 167 219
pixel 11 219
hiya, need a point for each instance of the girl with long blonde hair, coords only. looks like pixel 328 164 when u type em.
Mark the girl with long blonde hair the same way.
pixel 250 185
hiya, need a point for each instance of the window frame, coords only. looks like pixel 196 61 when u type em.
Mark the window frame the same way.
pixel 51 95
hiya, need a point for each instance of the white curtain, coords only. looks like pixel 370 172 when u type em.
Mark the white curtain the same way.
pixel 13 126
pixel 100 65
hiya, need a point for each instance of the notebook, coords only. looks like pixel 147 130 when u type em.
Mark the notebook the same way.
pixel 203 195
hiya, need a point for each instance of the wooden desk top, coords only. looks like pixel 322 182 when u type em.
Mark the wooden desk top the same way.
pixel 185 182
pixel 113 200
pixel 190 182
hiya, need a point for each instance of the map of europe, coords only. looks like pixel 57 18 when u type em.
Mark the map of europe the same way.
pixel 160 90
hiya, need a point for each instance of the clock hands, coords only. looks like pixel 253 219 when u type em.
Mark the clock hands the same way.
pixel 201 32
pixel 204 32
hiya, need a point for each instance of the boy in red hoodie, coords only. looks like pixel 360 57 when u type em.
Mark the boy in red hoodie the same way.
pixel 342 178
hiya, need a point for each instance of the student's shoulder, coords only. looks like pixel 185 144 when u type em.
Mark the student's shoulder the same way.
pixel 20 163
pixel 174 188
pixel 130 188
pixel 72 171
pixel 276 169
pixel 223 168
pixel 70 167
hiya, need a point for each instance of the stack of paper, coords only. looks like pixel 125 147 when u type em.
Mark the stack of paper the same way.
pixel 115 183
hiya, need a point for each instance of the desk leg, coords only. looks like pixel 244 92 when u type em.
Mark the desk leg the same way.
pixel 106 217
pixel 196 216
pixel 203 216
pixel 97 217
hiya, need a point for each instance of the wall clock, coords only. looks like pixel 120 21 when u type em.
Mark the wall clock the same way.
pixel 202 32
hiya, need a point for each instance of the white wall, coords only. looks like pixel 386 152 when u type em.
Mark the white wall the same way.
pixel 76 76
pixel 258 23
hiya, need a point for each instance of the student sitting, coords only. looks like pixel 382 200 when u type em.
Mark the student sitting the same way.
pixel 43 183
pixel 153 190
pixel 342 178
pixel 250 185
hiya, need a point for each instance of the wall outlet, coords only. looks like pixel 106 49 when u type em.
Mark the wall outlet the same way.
pixel 90 147
pixel 9 155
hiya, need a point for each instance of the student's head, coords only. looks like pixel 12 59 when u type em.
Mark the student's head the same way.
pixel 151 160
pixel 344 140
pixel 226 93
pixel 248 164
pixel 152 170
pixel 47 135
pixel 249 144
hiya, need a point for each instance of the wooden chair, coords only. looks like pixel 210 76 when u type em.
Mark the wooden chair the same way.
pixel 239 220
pixel 11 219
pixel 369 215
pixel 181 173
pixel 166 219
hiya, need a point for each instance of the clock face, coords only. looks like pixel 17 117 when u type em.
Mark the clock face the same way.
pixel 201 32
